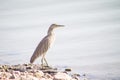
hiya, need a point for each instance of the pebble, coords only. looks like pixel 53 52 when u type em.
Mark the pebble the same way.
pixel 68 69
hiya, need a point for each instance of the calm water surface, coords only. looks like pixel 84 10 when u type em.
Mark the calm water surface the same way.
pixel 89 43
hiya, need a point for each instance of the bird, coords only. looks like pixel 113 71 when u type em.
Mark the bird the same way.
pixel 44 45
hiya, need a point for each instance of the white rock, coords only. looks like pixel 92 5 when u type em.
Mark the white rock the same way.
pixel 38 74
pixel 62 76
pixel 42 79
pixel 29 77
pixel 48 76
pixel 16 72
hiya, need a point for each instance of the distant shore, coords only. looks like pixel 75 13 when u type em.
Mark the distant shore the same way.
pixel 35 72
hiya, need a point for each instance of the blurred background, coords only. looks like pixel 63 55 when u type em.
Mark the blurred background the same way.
pixel 90 40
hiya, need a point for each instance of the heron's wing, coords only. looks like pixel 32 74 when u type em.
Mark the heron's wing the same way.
pixel 41 48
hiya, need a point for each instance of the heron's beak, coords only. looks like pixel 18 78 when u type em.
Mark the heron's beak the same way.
pixel 60 26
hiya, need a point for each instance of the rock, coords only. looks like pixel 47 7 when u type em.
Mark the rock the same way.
pixel 50 71
pixel 0 66
pixel 12 77
pixel 25 64
pixel 48 76
pixel 2 70
pixel 68 69
pixel 62 76
pixel 8 74
pixel 5 75
pixel 29 67
pixel 46 68
pixel 42 79
pixel 37 67
pixel 34 72
pixel 15 75
pixel 23 78
pixel 38 74
pixel 16 72
pixel 84 74
pixel 29 77
pixel 76 76
pixel 5 67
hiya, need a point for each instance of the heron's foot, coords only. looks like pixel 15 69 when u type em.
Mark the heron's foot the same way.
pixel 45 67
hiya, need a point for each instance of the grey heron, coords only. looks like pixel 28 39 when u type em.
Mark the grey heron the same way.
pixel 44 45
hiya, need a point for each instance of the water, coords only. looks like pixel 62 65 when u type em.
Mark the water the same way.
pixel 88 44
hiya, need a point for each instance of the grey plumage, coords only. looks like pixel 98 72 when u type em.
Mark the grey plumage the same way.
pixel 44 45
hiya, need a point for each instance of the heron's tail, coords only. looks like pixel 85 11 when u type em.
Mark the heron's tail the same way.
pixel 33 58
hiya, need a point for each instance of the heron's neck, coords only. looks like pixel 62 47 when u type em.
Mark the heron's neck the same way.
pixel 50 32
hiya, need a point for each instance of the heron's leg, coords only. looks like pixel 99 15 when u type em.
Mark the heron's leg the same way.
pixel 45 61
pixel 42 61
pixel 46 64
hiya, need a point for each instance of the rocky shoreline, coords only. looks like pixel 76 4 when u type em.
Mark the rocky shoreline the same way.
pixel 34 72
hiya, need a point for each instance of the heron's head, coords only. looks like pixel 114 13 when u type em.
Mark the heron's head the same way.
pixel 53 26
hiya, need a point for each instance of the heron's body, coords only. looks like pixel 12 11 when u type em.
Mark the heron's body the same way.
pixel 44 45
pixel 42 48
